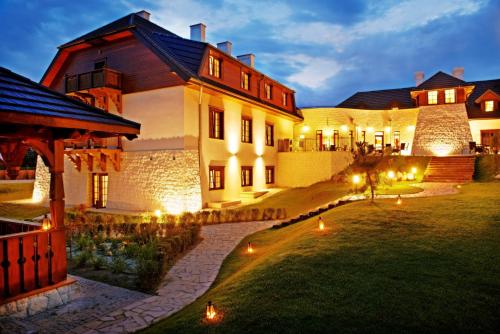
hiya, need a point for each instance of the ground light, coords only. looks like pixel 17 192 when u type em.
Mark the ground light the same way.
pixel 250 248
pixel 356 179
pixel 414 170
pixel 158 213
pixel 391 175
pixel 321 224
pixel 410 176
pixel 210 312
pixel 399 201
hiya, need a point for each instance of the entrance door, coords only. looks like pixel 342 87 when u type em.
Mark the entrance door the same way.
pixel 99 190
pixel 379 140
pixel 319 140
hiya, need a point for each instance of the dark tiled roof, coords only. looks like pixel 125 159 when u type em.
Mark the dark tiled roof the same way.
pixel 379 99
pixel 440 80
pixel 21 95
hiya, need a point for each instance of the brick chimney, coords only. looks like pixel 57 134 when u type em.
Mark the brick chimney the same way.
pixel 458 72
pixel 198 32
pixel 419 78
pixel 248 59
pixel 144 14
pixel 226 46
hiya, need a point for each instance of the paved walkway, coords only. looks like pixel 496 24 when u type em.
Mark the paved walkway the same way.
pixel 106 309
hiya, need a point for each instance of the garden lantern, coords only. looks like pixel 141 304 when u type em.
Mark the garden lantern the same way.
pixel 391 175
pixel 410 176
pixel 414 170
pixel 46 224
pixel 321 224
pixel 210 312
pixel 250 248
pixel 158 213
pixel 399 200
pixel 356 179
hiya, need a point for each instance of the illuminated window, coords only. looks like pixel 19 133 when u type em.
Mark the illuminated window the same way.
pixel 489 105
pixel 432 97
pixel 246 130
pixel 268 89
pixel 245 80
pixel 216 123
pixel 269 174
pixel 285 99
pixel 99 190
pixel 214 66
pixel 379 140
pixel 449 96
pixel 246 176
pixel 269 135
pixel 215 177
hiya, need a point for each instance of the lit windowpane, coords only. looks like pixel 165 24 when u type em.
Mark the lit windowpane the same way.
pixel 449 96
pixel 489 106
pixel 432 97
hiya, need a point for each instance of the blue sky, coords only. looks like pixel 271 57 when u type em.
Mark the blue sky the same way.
pixel 325 50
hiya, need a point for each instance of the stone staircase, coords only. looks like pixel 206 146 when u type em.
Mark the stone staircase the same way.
pixel 457 169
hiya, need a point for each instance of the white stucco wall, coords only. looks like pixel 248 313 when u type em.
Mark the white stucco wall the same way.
pixel 301 169
pixel 476 125
pixel 358 120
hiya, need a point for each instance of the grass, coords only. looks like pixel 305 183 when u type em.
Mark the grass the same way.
pixel 18 191
pixel 398 188
pixel 300 200
pixel 431 265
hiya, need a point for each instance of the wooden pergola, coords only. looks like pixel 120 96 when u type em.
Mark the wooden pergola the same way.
pixel 32 115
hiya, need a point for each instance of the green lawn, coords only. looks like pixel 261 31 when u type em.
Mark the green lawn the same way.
pixel 17 191
pixel 300 200
pixel 398 188
pixel 431 265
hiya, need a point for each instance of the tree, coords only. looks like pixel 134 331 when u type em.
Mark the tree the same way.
pixel 367 162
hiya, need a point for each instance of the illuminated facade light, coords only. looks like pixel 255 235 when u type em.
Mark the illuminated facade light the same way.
pixel 344 128
pixel 369 129
pixel 306 128
pixel 387 129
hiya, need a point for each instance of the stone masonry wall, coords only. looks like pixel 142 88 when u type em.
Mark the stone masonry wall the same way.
pixel 149 180
pixel 42 183
pixel 442 130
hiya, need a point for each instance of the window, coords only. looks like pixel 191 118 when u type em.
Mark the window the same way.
pixel 245 80
pixel 216 123
pixel 489 106
pixel 268 89
pixel 269 135
pixel 379 140
pixel 285 99
pixel 246 130
pixel 214 68
pixel 397 139
pixel 101 63
pixel 215 177
pixel 449 96
pixel 99 190
pixel 432 97
pixel 269 174
pixel 246 176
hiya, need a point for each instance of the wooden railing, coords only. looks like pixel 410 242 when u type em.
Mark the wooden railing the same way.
pixel 103 77
pixel 31 261
pixel 11 226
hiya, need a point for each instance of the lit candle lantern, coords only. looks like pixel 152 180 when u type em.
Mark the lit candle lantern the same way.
pixel 321 224
pixel 210 313
pixel 399 200
pixel 250 248
pixel 46 224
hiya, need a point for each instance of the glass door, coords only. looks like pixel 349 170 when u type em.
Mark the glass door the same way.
pixel 99 190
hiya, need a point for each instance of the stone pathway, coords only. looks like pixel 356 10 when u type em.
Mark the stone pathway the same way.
pixel 106 309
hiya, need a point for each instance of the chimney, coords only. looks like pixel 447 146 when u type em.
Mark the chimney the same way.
pixel 419 78
pixel 198 32
pixel 226 46
pixel 144 14
pixel 458 72
pixel 248 59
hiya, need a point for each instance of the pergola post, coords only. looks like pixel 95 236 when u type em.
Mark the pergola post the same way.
pixel 56 184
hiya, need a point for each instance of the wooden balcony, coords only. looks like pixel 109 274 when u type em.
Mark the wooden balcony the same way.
pixel 102 78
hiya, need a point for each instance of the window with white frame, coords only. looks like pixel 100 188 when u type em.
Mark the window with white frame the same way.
pixel 432 97
pixel 449 96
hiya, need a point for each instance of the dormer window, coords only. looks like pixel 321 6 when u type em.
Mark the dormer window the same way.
pixel 214 68
pixel 432 97
pixel 268 89
pixel 449 96
pixel 489 106
pixel 284 99
pixel 245 80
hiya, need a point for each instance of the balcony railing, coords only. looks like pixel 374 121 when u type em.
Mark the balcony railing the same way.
pixel 30 261
pixel 103 77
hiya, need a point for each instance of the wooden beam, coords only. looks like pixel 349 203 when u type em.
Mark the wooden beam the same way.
pixel 56 184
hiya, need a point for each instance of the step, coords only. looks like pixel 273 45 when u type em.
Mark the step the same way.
pixel 223 204
pixel 252 194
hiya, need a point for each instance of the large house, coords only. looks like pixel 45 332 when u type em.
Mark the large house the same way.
pixel 441 116
pixel 211 122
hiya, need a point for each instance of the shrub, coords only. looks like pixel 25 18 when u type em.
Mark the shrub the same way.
pixel 150 267
pixel 255 214
pixel 118 264
pixel 98 262
pixel 84 258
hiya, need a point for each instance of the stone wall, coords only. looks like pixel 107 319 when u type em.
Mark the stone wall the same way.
pixel 301 169
pixel 42 183
pixel 442 130
pixel 43 301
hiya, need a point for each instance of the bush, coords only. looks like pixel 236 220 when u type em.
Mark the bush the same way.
pixel 98 262
pixel 84 258
pixel 150 267
pixel 118 264
pixel 486 167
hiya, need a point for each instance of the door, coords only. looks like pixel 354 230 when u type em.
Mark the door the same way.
pixel 379 140
pixel 319 140
pixel 99 190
